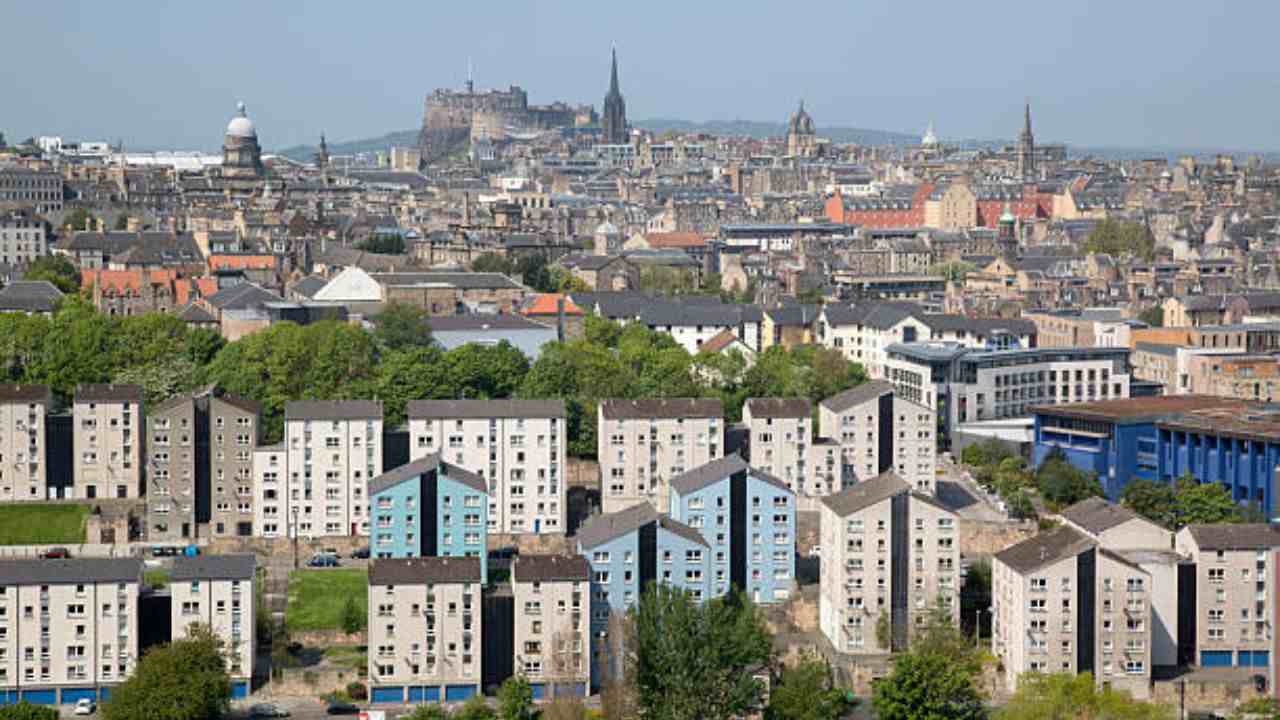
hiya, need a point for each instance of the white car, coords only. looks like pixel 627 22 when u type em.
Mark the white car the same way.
pixel 85 706
pixel 815 551
pixel 267 710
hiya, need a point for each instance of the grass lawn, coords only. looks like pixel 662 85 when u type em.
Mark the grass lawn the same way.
pixel 355 656
pixel 316 596
pixel 42 523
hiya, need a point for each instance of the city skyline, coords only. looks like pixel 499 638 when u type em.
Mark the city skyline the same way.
pixel 325 68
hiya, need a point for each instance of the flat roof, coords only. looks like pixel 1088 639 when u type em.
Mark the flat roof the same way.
pixel 1134 409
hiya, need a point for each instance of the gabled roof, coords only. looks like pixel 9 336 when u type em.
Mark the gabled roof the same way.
pixel 603 528
pixel 867 493
pixel 29 296
pixel 619 409
pixel 23 393
pixel 333 410
pixel 75 570
pixel 708 473
pixel 1095 515
pixel 215 567
pixel 195 314
pixel 1235 536
pixel 464 409
pixel 548 304
pixel 108 393
pixel 424 570
pixel 412 470
pixel 857 395
pixel 308 286
pixel 720 341
pixel 777 407
pixel 242 297
pixel 1045 549
pixel 550 568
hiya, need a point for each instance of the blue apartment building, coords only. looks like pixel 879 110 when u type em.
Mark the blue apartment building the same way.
pixel 1162 438
pixel 429 508
pixel 748 519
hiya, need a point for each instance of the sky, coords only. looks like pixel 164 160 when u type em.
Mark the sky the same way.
pixel 1113 73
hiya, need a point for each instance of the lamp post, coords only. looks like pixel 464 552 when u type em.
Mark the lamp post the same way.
pixel 977 625
pixel 294 511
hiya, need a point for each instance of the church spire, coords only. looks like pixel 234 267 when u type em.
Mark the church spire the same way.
pixel 613 73
pixel 1026 124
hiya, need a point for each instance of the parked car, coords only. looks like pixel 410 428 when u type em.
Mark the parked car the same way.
pixel 85 706
pixel 163 551
pixel 56 553
pixel 322 561
pixel 267 710
pixel 337 707
pixel 360 553
pixel 329 551
pixel 815 551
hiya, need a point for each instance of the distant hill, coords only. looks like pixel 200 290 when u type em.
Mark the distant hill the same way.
pixel 399 138
pixel 755 129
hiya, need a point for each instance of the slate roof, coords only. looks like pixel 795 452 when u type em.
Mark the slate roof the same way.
pixel 333 410
pixel 603 528
pixel 550 568
pixel 675 313
pixel 29 296
pixel 480 322
pixel 776 407
pixel 308 286
pixel 70 571
pixel 244 296
pixel 481 409
pixel 1045 549
pixel 23 393
pixel 108 393
pixel 1235 536
pixel 462 280
pixel 617 409
pixel 215 567
pixel 708 473
pixel 422 465
pixel 797 315
pixel 1096 515
pixel 866 493
pixel 423 570
pixel 857 395
pixel 193 313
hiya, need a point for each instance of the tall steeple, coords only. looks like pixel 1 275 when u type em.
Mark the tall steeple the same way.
pixel 614 119
pixel 1027 147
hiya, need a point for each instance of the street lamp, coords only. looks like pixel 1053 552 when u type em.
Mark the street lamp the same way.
pixel 294 511
pixel 977 625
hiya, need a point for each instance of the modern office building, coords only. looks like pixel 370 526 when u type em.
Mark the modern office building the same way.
pixel 879 431
pixel 23 440
pixel 425 629
pixel 68 628
pixel 108 438
pixel 429 508
pixel 552 633
pixel 217 591
pixel 516 446
pixel 643 444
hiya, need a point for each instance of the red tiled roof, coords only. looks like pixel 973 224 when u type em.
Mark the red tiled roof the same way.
pixel 242 262
pixel 719 341
pixel 675 240
pixel 547 304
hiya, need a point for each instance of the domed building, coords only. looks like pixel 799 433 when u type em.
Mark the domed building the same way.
pixel 930 139
pixel 802 138
pixel 607 239
pixel 241 154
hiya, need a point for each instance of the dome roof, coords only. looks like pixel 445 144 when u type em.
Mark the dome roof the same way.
pixel 930 138
pixel 241 126
pixel 606 228
pixel 800 122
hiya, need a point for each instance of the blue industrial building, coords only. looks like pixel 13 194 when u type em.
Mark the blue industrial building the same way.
pixel 1163 438
pixel 429 508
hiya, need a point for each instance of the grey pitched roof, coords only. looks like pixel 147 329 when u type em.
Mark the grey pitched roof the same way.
pixel 332 409
pixel 603 528
pixel 617 409
pixel 865 494
pixel 243 296
pixel 1044 549
pixel 707 473
pixel 17 393
pixel 450 409
pixel 480 322
pixel 678 528
pixel 954 323
pixel 857 395
pixel 548 568
pixel 422 465
pixel 215 567
pixel 793 314
pixel 193 313
pixel 1096 515
pixel 1235 536
pixel 75 570
pixel 308 286
pixel 779 407
pixel 462 280
pixel 29 296
pixel 423 570
pixel 108 393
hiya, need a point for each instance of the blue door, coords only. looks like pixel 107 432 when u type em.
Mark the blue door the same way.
pixel 40 697
pixel 1261 658
pixel 1215 658
pixel 432 694
pixel 8 697
pixel 416 694
pixel 71 696
pixel 1244 658
pixel 458 693
pixel 539 690
pixel 537 524
pixel 394 694
pixel 240 689
pixel 1253 658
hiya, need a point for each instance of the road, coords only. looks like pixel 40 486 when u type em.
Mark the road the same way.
pixel 959 492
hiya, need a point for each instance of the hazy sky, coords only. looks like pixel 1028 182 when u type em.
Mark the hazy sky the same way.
pixel 1114 72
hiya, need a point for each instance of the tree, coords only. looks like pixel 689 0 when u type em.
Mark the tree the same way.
pixel 161 379
pixel 121 223
pixel 57 269
pixel 434 711
pixel 383 244
pixel 1260 708
pixel 806 693
pixel 1199 503
pixel 491 262
pixel 1120 238
pixel 353 619
pixel 988 452
pixel 1067 696
pixel 1152 500
pixel 400 326
pixel 533 272
pixel 184 680
pixel 515 699
pixel 934 678
pixel 691 661
pixel 953 270
pixel 1062 484
pixel 975 594
pixel 475 708
pixel 79 219
pixel 1153 316
pixel 25 710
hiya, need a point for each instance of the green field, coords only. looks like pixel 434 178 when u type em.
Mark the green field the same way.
pixel 42 523
pixel 316 597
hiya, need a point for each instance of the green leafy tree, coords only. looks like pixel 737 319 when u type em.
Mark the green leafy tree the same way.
pixel 383 244
pixel 1199 503
pixel 1154 500
pixel 935 678
pixel 184 680
pixel 161 379
pixel 353 619
pixel 202 344
pixel 1062 484
pixel 475 708
pixel 975 594
pixel 79 348
pixel 515 699
pixel 493 263
pixel 1120 238
pixel 884 630
pixel 534 273
pixel 121 223
pixel 433 711
pixel 564 707
pixel 400 326
pixel 1153 316
pixel 1261 708
pixel 807 692
pixel 26 711
pixel 79 219
pixel 953 270
pixel 57 269
pixel 486 371
pixel 988 452
pixel 691 661
pixel 1067 696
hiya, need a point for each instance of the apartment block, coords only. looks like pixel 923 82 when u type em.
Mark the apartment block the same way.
pixel 1063 603
pixel 879 431
pixel 429 508
pixel 24 236
pixel 68 628
pixel 23 449
pixel 643 444
pixel 889 555
pixel 333 448
pixel 748 519
pixel 1227 595
pixel 274 515
pixel 627 550
pixel 217 591
pixel 516 446
pixel 108 425
pixel 425 629
pixel 781 441
pixel 551 633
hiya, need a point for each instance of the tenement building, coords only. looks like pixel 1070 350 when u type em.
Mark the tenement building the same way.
pixel 517 447
pixel 40 190
pixel 552 634
pixel 643 444
pixel 216 591
pixel 877 430
pixel 23 440
pixel 107 430
pixel 781 442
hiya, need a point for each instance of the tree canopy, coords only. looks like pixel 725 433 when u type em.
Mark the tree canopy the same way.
pixel 806 692
pixel 1183 503
pixel 1067 696
pixel 1062 484
pixel 1153 316
pixel 26 711
pixel 401 326
pixel 935 678
pixel 383 244
pixel 1120 238
pixel 184 680
pixel 57 269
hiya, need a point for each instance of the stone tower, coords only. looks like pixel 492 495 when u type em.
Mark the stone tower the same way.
pixel 322 155
pixel 802 138
pixel 614 121
pixel 241 154
pixel 1027 148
